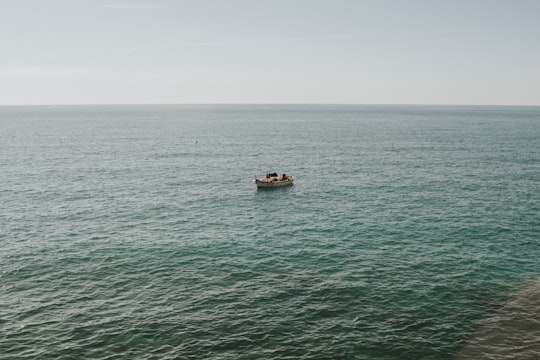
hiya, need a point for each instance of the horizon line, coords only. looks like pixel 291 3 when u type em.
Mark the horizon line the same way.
pixel 267 104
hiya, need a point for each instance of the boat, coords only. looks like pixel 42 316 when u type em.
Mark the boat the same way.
pixel 274 180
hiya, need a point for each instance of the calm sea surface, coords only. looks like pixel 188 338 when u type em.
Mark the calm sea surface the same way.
pixel 136 232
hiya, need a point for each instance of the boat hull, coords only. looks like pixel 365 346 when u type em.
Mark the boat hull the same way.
pixel 272 183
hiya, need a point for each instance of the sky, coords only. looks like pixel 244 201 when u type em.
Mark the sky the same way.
pixel 483 52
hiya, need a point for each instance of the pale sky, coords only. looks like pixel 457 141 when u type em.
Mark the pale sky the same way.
pixel 270 51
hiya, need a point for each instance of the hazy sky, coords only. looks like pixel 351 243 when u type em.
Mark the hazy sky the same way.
pixel 270 51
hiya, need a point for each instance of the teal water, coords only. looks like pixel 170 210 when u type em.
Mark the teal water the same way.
pixel 136 232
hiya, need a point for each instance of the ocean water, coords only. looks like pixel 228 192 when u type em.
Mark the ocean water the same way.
pixel 136 232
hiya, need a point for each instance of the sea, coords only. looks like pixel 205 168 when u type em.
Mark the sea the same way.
pixel 137 232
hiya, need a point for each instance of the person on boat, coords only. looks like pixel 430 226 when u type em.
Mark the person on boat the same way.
pixel 284 177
